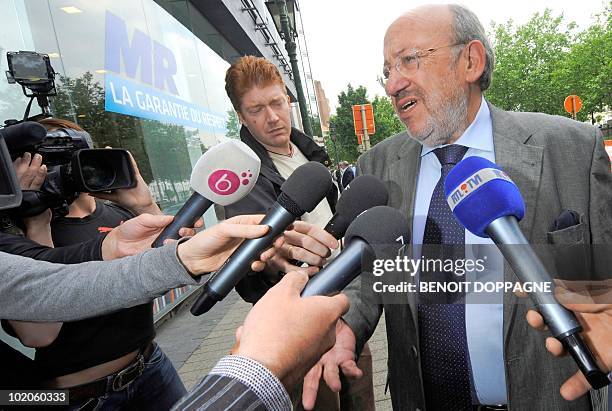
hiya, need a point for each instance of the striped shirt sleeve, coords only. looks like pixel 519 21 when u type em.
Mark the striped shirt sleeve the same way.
pixel 237 383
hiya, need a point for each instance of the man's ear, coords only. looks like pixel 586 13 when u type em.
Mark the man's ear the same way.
pixel 240 118
pixel 476 59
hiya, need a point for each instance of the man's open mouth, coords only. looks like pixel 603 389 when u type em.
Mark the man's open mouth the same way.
pixel 408 105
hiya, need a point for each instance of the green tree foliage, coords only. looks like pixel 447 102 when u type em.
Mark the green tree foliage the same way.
pixel 81 100
pixel 544 60
pixel 385 120
pixel 315 125
pixel 233 124
pixel 159 149
pixel 527 57
pixel 587 68
pixel 346 141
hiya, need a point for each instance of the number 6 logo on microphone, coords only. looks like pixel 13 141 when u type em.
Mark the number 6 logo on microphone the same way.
pixel 223 182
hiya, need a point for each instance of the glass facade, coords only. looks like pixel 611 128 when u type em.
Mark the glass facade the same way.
pixel 135 75
pixel 130 74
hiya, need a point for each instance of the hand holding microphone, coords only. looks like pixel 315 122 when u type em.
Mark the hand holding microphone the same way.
pixel 301 193
pixel 223 175
pixel 486 201
pixel 590 301
pixel 311 244
pixel 376 233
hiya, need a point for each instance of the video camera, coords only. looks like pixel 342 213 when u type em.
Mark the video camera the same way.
pixel 73 165
pixel 10 193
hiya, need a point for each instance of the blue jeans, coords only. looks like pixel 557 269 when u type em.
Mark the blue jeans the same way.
pixel 157 388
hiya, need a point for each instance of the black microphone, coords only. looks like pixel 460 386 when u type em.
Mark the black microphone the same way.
pixel 21 135
pixel 362 193
pixel 301 193
pixel 376 233
pixel 223 175
pixel 488 203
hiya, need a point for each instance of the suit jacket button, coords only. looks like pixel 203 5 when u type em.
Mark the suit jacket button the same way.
pixel 415 352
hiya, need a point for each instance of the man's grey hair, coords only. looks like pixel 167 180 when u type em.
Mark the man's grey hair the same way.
pixel 467 27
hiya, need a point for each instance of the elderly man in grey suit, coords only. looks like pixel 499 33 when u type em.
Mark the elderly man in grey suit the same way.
pixel 437 64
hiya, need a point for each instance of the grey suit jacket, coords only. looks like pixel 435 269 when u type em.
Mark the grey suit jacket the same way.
pixel 557 164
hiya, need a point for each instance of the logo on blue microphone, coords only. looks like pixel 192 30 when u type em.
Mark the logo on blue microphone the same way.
pixel 473 182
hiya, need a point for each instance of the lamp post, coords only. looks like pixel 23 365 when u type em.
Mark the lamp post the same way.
pixel 278 10
pixel 333 137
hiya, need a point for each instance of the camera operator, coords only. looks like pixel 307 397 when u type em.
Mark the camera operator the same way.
pixel 31 173
pixel 116 350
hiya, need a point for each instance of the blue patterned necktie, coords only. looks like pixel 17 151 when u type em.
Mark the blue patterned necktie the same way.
pixel 444 354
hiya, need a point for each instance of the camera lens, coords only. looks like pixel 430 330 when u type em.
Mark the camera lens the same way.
pixel 97 174
pixel 101 170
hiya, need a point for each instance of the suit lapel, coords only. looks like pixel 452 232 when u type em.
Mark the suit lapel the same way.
pixel 405 169
pixel 523 163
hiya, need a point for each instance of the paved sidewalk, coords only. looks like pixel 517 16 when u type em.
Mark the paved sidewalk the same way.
pixel 195 344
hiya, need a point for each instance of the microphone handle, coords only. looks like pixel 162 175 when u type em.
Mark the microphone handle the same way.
pixel 527 266
pixel 564 326
pixel 339 272
pixel 236 267
pixel 189 213
pixel 585 359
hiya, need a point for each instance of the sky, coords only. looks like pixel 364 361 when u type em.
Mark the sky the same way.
pixel 345 37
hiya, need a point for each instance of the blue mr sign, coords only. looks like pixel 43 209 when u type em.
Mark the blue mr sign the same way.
pixel 157 62
pixel 151 94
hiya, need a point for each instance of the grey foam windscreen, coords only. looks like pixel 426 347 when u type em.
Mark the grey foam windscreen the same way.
pixel 23 135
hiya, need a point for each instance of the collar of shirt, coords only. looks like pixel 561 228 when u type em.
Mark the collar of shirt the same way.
pixel 478 136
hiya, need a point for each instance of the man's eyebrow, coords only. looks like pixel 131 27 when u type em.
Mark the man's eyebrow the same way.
pixel 400 52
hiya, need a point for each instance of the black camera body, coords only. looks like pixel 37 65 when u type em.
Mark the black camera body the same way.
pixel 10 193
pixel 73 166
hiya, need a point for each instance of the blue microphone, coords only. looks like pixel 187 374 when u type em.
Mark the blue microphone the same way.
pixel 488 203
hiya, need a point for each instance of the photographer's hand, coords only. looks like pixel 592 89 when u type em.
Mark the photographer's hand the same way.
pixel 591 303
pixel 31 174
pixel 137 199
pixel 208 250
pixel 30 171
pixel 289 341
pixel 136 235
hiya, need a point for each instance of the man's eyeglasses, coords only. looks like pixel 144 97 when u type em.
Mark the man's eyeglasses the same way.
pixel 408 64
